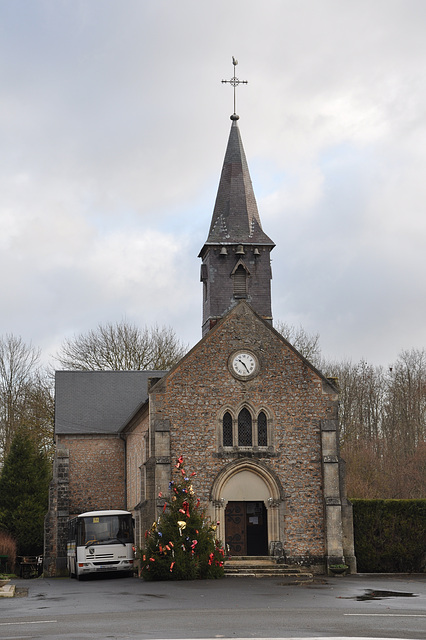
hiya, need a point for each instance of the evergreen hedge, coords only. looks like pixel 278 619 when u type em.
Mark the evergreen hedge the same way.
pixel 390 535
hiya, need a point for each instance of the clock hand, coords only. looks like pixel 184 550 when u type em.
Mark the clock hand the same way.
pixel 244 365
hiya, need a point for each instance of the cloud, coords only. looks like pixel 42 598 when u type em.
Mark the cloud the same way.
pixel 114 125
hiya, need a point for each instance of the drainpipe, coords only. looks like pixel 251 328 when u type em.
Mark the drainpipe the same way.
pixel 125 470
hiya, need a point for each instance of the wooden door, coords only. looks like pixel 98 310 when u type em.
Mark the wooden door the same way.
pixel 246 532
pixel 235 528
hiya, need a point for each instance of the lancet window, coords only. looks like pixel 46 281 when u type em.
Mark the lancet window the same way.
pixel 244 429
pixel 227 430
pixel 245 436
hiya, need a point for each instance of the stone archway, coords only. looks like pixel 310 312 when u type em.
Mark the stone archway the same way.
pixel 252 490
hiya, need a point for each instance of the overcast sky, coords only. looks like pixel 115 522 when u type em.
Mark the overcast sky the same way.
pixel 113 129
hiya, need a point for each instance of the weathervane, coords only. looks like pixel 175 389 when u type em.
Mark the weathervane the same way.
pixel 235 82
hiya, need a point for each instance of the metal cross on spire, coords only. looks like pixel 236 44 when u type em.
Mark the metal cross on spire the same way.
pixel 235 82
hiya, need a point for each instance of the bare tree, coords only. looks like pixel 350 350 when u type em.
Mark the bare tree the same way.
pixel 362 387
pixel 20 389
pixel 405 416
pixel 383 426
pixel 306 343
pixel 38 419
pixel 122 346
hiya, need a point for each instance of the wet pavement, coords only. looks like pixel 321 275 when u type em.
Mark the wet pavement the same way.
pixel 368 606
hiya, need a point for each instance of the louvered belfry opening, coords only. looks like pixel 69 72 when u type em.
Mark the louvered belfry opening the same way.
pixel 240 282
pixel 245 438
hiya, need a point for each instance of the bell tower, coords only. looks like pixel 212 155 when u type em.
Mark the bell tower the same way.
pixel 236 255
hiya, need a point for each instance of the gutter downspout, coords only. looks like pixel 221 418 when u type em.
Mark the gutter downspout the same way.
pixel 124 439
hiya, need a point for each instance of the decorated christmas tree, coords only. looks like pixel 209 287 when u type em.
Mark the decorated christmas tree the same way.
pixel 181 544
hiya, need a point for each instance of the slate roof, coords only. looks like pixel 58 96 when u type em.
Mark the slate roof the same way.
pixel 90 402
pixel 235 217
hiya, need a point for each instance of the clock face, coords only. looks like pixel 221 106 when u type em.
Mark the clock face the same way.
pixel 244 364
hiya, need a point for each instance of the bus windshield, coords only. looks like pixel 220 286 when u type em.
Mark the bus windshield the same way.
pixel 105 529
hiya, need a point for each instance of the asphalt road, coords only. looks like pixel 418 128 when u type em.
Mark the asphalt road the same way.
pixel 366 606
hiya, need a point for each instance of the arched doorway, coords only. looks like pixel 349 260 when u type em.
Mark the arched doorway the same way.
pixel 247 498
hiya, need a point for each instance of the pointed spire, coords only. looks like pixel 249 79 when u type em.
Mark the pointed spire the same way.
pixel 235 215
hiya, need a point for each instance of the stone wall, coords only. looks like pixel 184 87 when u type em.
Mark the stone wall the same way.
pixel 96 471
pixel 137 446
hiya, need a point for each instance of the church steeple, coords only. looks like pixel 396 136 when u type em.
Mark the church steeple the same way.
pixel 236 254
pixel 235 215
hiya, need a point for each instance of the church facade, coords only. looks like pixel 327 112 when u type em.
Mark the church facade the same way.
pixel 255 421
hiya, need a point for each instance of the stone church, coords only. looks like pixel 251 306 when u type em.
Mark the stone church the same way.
pixel 251 416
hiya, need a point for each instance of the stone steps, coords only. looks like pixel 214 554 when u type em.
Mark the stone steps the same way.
pixel 265 567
